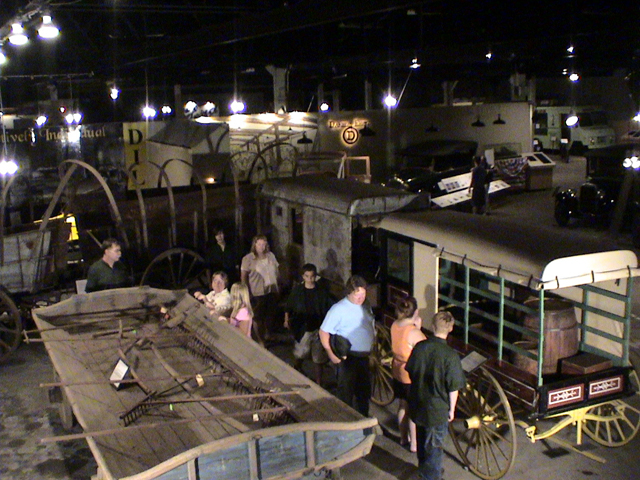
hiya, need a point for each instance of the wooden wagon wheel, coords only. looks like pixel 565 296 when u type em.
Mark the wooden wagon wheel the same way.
pixel 612 424
pixel 10 326
pixel 484 429
pixel 380 365
pixel 175 269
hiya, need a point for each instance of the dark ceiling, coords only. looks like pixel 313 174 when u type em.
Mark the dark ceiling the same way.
pixel 210 47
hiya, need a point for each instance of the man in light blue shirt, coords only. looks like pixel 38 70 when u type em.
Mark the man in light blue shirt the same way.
pixel 352 319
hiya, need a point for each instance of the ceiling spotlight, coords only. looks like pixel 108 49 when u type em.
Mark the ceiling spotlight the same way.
pixel 489 55
pixel 324 107
pixel 390 101
pixel 209 108
pixel 149 112
pixel 17 36
pixel 41 120
pixel 570 49
pixel 571 120
pixel 48 29
pixel 237 106
pixel 499 121
pixel 414 63
pixel 304 140
pixel 478 123
pixel 190 107
pixel 637 117
pixel 367 131
pixel 166 110
pixel 8 167
pixel 114 93
pixel 68 118
pixel 3 58
pixel 77 117
pixel 574 77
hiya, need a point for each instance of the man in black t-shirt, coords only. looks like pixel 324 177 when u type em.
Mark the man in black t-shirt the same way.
pixel 306 307
pixel 436 376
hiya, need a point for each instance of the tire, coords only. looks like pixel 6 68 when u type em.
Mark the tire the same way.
pixel 562 214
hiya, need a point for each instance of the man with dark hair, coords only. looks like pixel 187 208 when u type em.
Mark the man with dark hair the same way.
pixel 221 255
pixel 352 319
pixel 436 376
pixel 305 309
pixel 108 272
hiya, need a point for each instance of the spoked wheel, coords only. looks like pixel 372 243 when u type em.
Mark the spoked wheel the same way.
pixel 484 429
pixel 175 269
pixel 612 424
pixel 380 365
pixel 10 326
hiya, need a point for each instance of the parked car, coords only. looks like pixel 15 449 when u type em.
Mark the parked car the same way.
pixel 422 166
pixel 596 199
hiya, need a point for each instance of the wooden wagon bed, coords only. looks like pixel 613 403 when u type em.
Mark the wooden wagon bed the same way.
pixel 195 399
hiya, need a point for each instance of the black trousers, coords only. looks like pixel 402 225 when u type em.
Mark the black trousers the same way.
pixel 264 313
pixel 354 383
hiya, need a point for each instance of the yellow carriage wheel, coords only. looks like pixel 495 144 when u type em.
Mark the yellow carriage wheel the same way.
pixel 612 424
pixel 380 366
pixel 483 431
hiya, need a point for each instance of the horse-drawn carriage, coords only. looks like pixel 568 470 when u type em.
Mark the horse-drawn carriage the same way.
pixel 545 316
pixel 546 319
pixel 164 232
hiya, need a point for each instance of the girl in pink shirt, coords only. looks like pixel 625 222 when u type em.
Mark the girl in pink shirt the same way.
pixel 242 314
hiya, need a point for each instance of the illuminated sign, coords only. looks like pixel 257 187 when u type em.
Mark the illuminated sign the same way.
pixel 350 129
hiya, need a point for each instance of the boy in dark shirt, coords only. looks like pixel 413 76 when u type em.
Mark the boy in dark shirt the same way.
pixel 305 310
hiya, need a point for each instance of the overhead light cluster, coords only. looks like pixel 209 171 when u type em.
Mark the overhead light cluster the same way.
pixel 14 32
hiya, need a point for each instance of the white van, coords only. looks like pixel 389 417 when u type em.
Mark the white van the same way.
pixel 550 130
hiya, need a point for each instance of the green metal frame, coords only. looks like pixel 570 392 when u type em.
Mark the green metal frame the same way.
pixel 445 276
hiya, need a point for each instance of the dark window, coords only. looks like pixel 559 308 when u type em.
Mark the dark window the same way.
pixel 297 226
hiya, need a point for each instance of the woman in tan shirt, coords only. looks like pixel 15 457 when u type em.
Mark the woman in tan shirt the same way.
pixel 405 333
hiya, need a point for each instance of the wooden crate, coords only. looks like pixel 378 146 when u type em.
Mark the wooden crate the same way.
pixel 584 363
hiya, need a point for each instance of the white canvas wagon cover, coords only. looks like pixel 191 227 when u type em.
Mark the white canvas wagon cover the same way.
pixel 531 255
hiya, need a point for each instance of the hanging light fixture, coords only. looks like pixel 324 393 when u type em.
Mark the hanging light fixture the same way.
pixel 478 123
pixel 17 36
pixel 48 29
pixel 237 106
pixel 499 121
pixel 304 140
pixel 390 101
pixel 367 131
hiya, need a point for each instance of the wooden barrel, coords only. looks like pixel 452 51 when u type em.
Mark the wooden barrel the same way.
pixel 561 334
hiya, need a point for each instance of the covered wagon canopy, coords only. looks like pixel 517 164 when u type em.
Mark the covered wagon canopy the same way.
pixel 542 259
pixel 342 196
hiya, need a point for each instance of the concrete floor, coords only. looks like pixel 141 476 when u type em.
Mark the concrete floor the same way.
pixel 26 416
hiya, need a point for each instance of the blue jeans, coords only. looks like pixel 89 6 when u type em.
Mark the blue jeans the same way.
pixel 430 453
